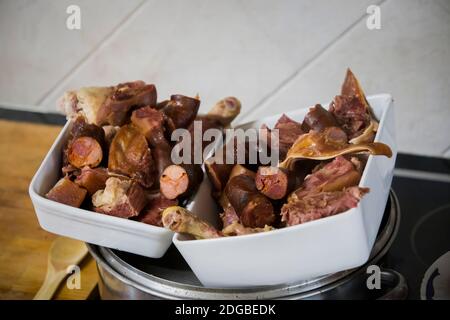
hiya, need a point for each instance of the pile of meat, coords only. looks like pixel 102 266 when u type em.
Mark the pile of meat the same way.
pixel 117 159
pixel 321 160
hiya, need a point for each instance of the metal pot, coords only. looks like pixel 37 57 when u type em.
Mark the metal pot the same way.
pixel 127 276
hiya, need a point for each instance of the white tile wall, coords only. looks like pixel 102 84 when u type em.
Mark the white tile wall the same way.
pixel 36 48
pixel 273 55
pixel 215 48
pixel 409 58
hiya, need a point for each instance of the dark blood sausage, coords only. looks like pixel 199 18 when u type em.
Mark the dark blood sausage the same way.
pixel 275 183
pixel 180 180
pixel 236 171
pixel 253 208
pixel 130 155
pixel 116 109
pixel 218 167
pixel 218 173
pixel 150 123
pixel 92 179
pixel 162 158
pixel 318 118
pixel 180 111
pixel 84 151
pixel 81 128
pixel 241 170
pixel 67 192
pixel 184 179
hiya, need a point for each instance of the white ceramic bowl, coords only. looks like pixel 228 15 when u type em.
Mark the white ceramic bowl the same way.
pixel 299 252
pixel 108 231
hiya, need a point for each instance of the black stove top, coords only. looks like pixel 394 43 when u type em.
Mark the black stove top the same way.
pixel 423 188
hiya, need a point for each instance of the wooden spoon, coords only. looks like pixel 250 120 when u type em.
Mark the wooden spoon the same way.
pixel 63 253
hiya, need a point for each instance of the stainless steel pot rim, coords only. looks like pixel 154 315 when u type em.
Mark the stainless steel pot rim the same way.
pixel 164 288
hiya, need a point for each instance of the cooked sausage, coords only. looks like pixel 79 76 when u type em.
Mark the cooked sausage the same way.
pixel 275 183
pixel 318 118
pixel 84 151
pixel 180 180
pixel 253 208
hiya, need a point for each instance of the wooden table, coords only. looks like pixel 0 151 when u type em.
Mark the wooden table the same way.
pixel 23 244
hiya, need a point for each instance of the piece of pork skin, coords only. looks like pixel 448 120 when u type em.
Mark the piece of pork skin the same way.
pixel 334 176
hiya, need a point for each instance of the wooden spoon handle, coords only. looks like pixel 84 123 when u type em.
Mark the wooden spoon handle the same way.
pixel 51 283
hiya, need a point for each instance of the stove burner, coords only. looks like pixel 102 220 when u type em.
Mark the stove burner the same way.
pixel 430 237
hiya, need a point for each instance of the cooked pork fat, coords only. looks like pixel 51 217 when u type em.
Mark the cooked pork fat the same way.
pixel 181 220
pixel 108 105
pixel 122 198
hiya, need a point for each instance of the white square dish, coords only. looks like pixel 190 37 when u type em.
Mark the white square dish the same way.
pixel 301 252
pixel 103 230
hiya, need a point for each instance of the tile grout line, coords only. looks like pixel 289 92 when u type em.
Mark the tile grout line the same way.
pixel 446 151
pixel 100 43
pixel 267 98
